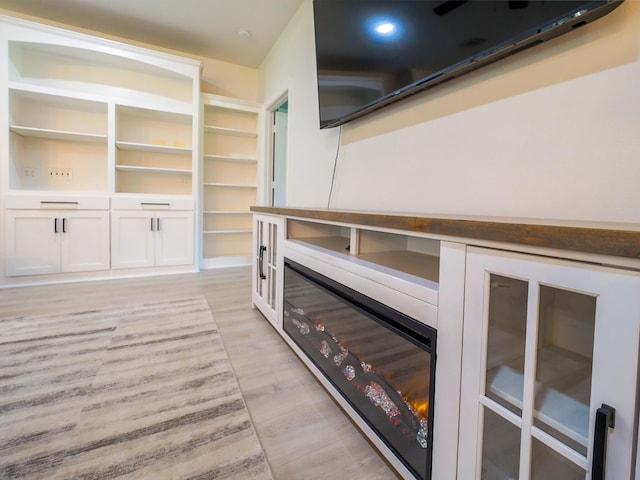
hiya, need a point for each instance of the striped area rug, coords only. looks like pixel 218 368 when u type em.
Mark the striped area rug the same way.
pixel 143 392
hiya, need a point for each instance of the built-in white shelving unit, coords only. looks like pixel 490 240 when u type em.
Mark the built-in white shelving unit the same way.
pixel 231 153
pixel 91 119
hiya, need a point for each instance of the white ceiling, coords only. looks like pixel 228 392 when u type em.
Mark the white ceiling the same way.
pixel 206 28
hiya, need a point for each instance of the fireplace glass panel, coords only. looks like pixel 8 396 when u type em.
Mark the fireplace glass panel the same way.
pixel 380 360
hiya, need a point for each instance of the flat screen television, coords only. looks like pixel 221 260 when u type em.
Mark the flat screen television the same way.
pixel 371 53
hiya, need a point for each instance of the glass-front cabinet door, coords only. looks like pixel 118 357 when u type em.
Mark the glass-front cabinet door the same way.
pixel 267 234
pixel 549 381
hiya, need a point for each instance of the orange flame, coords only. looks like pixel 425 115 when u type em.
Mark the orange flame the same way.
pixel 422 407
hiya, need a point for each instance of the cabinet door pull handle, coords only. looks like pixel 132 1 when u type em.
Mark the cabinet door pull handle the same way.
pixel 42 202
pixel 605 419
pixel 151 219
pixel 261 262
pixel 64 225
pixel 158 224
pixel 155 204
pixel 55 225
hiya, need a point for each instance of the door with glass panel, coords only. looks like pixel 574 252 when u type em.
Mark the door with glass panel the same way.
pixel 266 283
pixel 549 381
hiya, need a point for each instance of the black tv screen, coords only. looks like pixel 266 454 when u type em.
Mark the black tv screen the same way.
pixel 370 53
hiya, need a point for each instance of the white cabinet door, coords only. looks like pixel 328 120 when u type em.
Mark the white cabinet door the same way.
pixel 132 239
pixel 43 242
pixel 85 241
pixel 267 267
pixel 548 345
pixel 143 238
pixel 174 238
pixel 32 242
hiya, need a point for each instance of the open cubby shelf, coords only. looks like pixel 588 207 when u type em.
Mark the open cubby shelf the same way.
pixel 414 263
pixel 335 243
pixel 406 254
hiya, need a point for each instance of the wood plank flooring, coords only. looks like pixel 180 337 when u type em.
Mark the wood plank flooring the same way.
pixel 303 433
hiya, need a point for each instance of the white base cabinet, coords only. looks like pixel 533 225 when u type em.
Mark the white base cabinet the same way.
pixel 548 346
pixel 44 241
pixel 151 238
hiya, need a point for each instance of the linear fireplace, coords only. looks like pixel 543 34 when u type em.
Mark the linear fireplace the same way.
pixel 381 361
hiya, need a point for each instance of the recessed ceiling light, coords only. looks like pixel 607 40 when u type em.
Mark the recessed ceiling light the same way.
pixel 385 28
pixel 243 33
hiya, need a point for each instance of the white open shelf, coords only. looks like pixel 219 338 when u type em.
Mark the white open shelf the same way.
pixel 231 158
pixel 146 147
pixel 134 168
pixel 229 185
pixel 230 131
pixel 58 134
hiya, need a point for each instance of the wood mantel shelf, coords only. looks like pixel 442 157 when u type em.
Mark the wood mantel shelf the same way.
pixel 611 239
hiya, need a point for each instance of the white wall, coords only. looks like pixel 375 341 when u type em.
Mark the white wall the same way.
pixel 553 132
pixel 290 66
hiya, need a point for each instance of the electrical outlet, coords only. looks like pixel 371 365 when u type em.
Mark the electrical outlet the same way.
pixel 28 172
pixel 60 173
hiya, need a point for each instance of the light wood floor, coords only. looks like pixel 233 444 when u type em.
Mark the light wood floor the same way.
pixel 303 433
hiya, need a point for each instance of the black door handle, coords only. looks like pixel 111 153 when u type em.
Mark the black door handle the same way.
pixel 55 225
pixel 64 225
pixel 261 262
pixel 605 419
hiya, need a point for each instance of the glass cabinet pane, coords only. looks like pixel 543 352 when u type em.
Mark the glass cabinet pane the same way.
pixel 501 448
pixel 274 243
pixel 506 333
pixel 547 464
pixel 272 291
pixel 563 365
